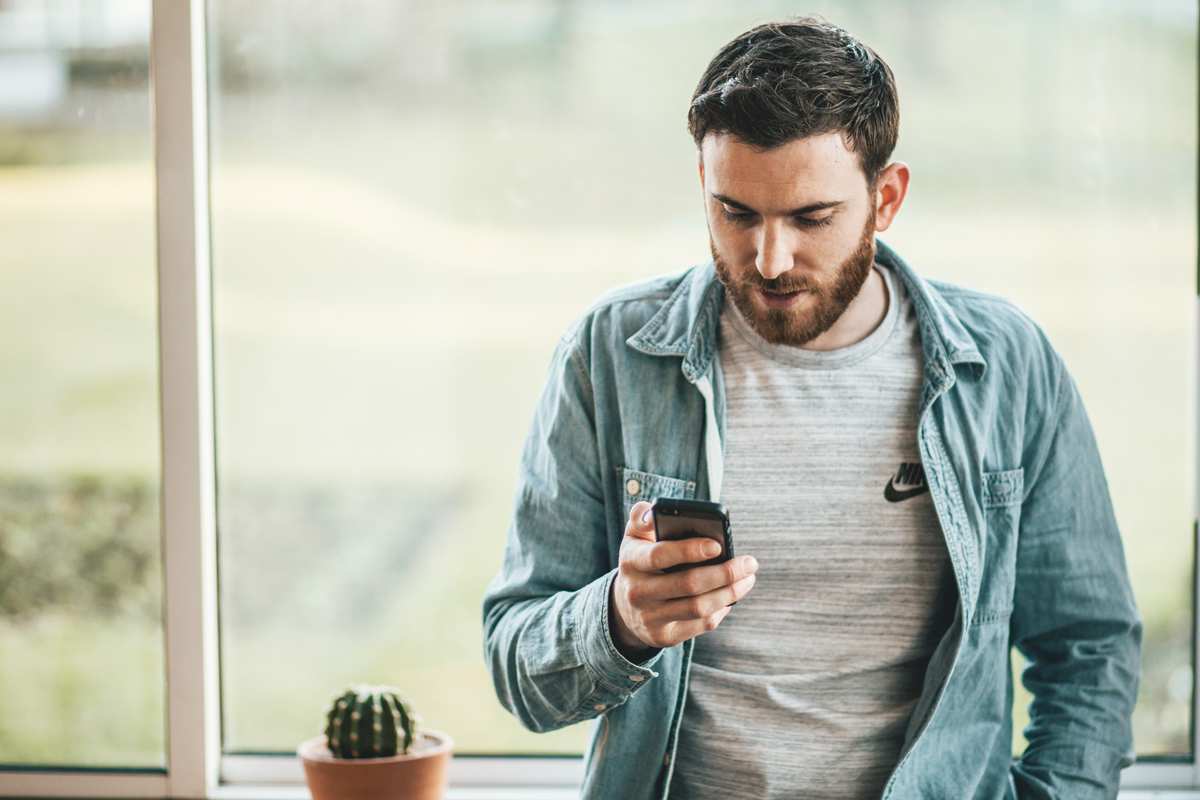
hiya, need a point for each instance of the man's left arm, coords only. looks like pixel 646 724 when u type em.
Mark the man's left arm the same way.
pixel 1074 618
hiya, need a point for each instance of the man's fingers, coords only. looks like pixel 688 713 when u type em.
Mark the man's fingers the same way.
pixel 701 606
pixel 684 551
pixel 701 580
pixel 691 582
pixel 662 555
pixel 741 588
pixel 681 631
pixel 654 611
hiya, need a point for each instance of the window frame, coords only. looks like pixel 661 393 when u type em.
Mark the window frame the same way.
pixel 196 768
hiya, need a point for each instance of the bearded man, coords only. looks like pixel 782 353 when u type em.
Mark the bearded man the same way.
pixel 913 485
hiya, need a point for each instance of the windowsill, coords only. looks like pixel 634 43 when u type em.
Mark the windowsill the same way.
pixel 471 778
pixel 543 793
pixel 453 793
pixel 499 778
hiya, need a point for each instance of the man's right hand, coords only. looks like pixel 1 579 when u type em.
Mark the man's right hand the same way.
pixel 650 609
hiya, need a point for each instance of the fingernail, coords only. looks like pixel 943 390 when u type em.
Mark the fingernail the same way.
pixel 711 549
pixel 750 564
pixel 648 514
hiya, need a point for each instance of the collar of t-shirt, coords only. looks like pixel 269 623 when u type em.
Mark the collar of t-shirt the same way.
pixel 822 359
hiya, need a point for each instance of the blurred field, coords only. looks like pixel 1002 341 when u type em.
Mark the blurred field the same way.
pixel 396 256
pixel 81 692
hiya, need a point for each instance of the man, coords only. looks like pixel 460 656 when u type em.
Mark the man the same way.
pixel 912 482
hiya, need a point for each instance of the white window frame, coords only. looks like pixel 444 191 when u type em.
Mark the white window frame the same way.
pixel 196 767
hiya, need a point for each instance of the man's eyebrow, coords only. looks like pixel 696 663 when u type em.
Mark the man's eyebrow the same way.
pixel 811 208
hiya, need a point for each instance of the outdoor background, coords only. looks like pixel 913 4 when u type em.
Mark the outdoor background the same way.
pixel 411 201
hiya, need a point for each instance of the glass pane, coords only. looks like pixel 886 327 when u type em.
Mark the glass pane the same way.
pixel 1059 169
pixel 412 201
pixel 81 642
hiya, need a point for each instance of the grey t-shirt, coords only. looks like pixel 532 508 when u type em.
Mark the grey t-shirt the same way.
pixel 806 687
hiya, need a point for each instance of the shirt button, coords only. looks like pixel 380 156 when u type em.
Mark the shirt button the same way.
pixel 600 707
pixel 633 487
pixel 636 678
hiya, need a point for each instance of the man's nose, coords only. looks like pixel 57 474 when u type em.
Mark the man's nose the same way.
pixel 774 252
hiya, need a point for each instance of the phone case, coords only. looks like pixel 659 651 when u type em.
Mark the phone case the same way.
pixel 674 517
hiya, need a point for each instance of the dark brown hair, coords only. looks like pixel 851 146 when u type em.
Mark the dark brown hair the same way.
pixel 803 77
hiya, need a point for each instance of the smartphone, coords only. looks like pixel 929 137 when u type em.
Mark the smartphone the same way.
pixel 685 519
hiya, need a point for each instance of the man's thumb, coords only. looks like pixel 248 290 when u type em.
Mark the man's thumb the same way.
pixel 641 522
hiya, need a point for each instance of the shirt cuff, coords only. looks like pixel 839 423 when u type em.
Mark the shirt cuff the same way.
pixel 596 649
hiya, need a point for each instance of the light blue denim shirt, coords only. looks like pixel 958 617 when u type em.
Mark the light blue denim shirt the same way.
pixel 635 391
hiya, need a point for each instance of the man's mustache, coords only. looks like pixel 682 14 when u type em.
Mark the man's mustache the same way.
pixel 780 285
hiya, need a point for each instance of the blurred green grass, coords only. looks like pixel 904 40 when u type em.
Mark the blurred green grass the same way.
pixel 81 691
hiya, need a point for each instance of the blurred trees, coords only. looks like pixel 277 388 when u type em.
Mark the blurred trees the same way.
pixel 87 545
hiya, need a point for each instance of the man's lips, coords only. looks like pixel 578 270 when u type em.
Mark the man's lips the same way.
pixel 780 301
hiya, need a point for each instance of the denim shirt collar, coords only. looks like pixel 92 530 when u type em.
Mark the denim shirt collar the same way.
pixel 686 325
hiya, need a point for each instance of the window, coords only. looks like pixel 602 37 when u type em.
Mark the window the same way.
pixel 81 637
pixel 409 203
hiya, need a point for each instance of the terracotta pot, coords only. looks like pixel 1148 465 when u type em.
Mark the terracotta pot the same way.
pixel 417 776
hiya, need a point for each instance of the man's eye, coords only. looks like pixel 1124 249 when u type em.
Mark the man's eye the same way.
pixel 815 222
pixel 734 215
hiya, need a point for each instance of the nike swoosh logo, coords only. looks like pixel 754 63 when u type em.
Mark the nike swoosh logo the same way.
pixel 893 495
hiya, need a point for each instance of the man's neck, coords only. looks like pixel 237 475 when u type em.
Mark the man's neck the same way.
pixel 864 314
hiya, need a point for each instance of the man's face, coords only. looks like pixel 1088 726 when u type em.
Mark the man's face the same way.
pixel 792 231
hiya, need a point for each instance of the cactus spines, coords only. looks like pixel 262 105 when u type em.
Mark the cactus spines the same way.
pixel 370 722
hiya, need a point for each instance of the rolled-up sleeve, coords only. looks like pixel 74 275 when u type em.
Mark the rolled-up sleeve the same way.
pixel 545 615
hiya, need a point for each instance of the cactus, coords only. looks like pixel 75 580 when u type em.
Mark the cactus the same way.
pixel 370 722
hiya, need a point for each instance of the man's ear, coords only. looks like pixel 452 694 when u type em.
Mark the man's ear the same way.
pixel 890 188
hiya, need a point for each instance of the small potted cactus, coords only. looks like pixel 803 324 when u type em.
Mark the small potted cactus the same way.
pixel 373 749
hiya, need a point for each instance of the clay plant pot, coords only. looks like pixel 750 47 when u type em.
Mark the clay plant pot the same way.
pixel 420 775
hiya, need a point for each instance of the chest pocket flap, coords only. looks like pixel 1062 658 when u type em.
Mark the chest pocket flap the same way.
pixel 1003 488
pixel 637 486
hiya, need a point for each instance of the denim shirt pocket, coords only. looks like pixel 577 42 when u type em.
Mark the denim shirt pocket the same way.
pixel 1003 493
pixel 637 486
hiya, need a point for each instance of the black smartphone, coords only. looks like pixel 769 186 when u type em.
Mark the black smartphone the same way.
pixel 685 519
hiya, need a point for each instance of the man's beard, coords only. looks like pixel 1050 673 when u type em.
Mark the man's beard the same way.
pixel 829 300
